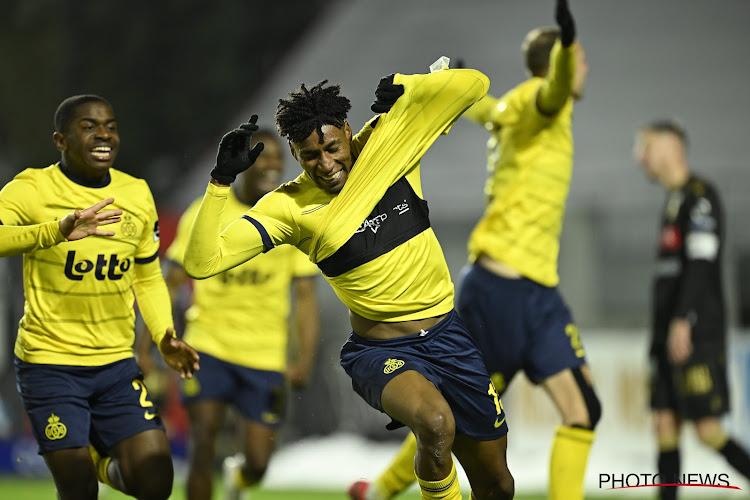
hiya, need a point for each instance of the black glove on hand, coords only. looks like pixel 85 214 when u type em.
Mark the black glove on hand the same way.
pixel 235 155
pixel 386 95
pixel 567 25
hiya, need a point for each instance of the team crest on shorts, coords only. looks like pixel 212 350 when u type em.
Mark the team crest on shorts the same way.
pixel 55 429
pixel 391 365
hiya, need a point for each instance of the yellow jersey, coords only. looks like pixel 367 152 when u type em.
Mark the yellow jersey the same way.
pixel 19 239
pixel 386 266
pixel 241 315
pixel 79 307
pixel 530 164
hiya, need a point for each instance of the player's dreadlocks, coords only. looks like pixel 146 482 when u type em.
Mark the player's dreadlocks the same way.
pixel 306 110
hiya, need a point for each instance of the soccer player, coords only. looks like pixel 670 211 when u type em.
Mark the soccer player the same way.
pixel 238 323
pixel 76 225
pixel 74 364
pixel 358 213
pixel 508 296
pixel 688 340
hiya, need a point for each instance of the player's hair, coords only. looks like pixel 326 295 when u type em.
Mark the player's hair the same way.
pixel 668 126
pixel 536 48
pixel 67 109
pixel 306 110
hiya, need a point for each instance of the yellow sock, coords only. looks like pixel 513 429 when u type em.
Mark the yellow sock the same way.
pixel 101 464
pixel 400 473
pixel 570 451
pixel 446 489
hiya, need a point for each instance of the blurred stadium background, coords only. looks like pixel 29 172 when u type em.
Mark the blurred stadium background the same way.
pixel 180 74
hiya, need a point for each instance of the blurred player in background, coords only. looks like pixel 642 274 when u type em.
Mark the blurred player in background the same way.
pixel 76 225
pixel 74 364
pixel 508 295
pixel 357 211
pixel 239 323
pixel 688 339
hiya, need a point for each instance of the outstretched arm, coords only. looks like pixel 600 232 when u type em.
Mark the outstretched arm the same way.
pixel 556 90
pixel 74 226
pixel 209 250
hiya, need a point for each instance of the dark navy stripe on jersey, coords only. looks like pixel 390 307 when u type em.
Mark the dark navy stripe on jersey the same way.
pixel 267 243
pixel 146 260
pixel 398 217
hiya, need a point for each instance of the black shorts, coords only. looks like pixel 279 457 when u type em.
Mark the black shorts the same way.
pixel 695 390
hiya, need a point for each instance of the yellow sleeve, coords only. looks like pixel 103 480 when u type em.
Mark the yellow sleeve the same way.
pixel 19 239
pixel 210 250
pixel 430 105
pixel 153 299
pixel 359 140
pixel 16 200
pixel 556 88
pixel 148 247
pixel 482 112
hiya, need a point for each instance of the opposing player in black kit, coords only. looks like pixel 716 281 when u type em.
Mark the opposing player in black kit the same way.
pixel 688 345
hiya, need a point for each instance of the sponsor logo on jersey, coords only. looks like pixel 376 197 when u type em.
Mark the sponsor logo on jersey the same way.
pixel 372 224
pixel 55 429
pixel 105 267
pixel 402 208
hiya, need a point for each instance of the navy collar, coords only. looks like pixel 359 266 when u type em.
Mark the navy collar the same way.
pixel 85 182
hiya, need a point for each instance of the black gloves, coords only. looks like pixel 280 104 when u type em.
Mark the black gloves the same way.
pixel 386 95
pixel 567 25
pixel 235 155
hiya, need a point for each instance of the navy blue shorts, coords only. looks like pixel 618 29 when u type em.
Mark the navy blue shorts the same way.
pixel 446 356
pixel 72 406
pixel 259 395
pixel 518 324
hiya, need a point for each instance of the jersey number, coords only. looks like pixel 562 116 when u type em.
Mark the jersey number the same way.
pixel 571 331
pixel 138 385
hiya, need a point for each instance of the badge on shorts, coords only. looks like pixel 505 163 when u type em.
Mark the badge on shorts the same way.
pixel 391 365
pixel 55 429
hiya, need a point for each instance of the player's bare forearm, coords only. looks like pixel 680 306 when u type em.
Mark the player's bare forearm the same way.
pixel 307 322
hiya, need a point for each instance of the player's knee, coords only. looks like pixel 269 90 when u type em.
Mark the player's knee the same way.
pixel 153 478
pixel 594 407
pixel 712 435
pixel 590 399
pixel 502 488
pixel 435 425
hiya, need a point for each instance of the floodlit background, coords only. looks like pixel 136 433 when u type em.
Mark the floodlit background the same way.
pixel 180 74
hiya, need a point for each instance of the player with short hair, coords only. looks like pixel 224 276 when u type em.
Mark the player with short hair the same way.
pixel 508 295
pixel 357 210
pixel 688 338
pixel 239 324
pixel 76 225
pixel 74 364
